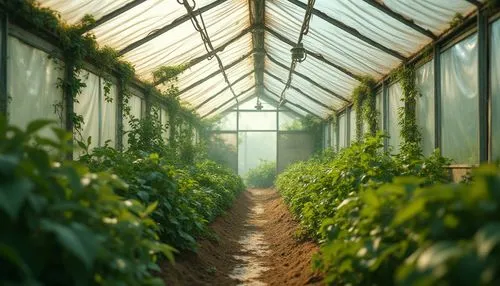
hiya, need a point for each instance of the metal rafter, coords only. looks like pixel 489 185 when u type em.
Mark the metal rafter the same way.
pixel 257 15
pixel 219 49
pixel 113 14
pixel 475 2
pixel 301 92
pixel 198 82
pixel 315 55
pixel 228 101
pixel 292 103
pixel 164 29
pixel 308 79
pixel 224 89
pixel 351 31
pixel 410 23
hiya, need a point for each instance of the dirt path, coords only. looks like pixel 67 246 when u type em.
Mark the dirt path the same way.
pixel 253 244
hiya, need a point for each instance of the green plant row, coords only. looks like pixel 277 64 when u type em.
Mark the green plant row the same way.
pixel 314 188
pixel 62 224
pixel 189 189
pixel 404 233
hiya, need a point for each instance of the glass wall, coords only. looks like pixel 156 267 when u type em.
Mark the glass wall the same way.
pixel 395 94
pixel 32 86
pixel 352 126
pixel 460 104
pixel 342 130
pixel 380 109
pixel 495 90
pixel 425 106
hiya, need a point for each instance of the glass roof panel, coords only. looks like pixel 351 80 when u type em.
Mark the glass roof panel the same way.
pixel 140 21
pixel 374 24
pixel 184 43
pixel 73 11
pixel 431 14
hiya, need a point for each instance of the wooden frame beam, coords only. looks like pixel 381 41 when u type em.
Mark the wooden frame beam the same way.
pixel 173 24
pixel 350 30
pixel 258 20
pixel 227 101
pixel 113 14
pixel 224 89
pixel 308 79
pixel 410 23
pixel 301 92
pixel 314 55
pixel 293 103
pixel 218 71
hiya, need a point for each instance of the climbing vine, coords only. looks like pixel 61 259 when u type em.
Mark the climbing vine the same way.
pixel 78 47
pixel 410 133
pixel 365 107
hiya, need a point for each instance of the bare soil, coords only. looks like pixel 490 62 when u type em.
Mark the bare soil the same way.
pixel 254 244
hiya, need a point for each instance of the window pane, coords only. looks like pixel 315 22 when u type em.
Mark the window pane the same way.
pixel 32 86
pixel 380 110
pixel 425 106
pixel 290 121
pixel 227 122
pixel 495 90
pixel 395 102
pixel 352 126
pixel 253 148
pixel 342 130
pixel 257 120
pixel 460 108
pixel 108 117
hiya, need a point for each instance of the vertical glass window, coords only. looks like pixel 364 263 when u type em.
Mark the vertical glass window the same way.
pixel 352 126
pixel 395 102
pixel 32 86
pixel 495 90
pixel 459 106
pixel 342 130
pixel 333 133
pixel 380 109
pixel 425 106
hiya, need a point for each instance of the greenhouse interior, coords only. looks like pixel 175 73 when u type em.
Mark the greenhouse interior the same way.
pixel 250 142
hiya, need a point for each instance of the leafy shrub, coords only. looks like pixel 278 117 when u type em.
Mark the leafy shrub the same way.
pixel 313 189
pixel 406 234
pixel 62 225
pixel 188 196
pixel 262 176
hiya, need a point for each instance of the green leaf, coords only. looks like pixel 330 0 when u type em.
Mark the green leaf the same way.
pixel 438 254
pixel 487 238
pixel 410 211
pixel 13 194
pixel 149 209
pixel 9 254
pixel 75 239
pixel 36 125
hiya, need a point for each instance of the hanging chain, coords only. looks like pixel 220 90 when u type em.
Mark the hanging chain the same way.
pixel 202 29
pixel 304 30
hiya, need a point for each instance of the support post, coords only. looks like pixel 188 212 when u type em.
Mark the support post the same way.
pixel 483 78
pixel 437 97
pixel 385 104
pixel 3 63
pixel 69 103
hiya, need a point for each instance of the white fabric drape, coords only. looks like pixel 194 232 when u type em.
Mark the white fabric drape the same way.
pixel 87 105
pixel 135 103
pixel 164 122
pixel 108 116
pixel 395 102
pixel 352 126
pixel 425 106
pixel 380 109
pixel 342 130
pixel 460 107
pixel 32 86
pixel 495 90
